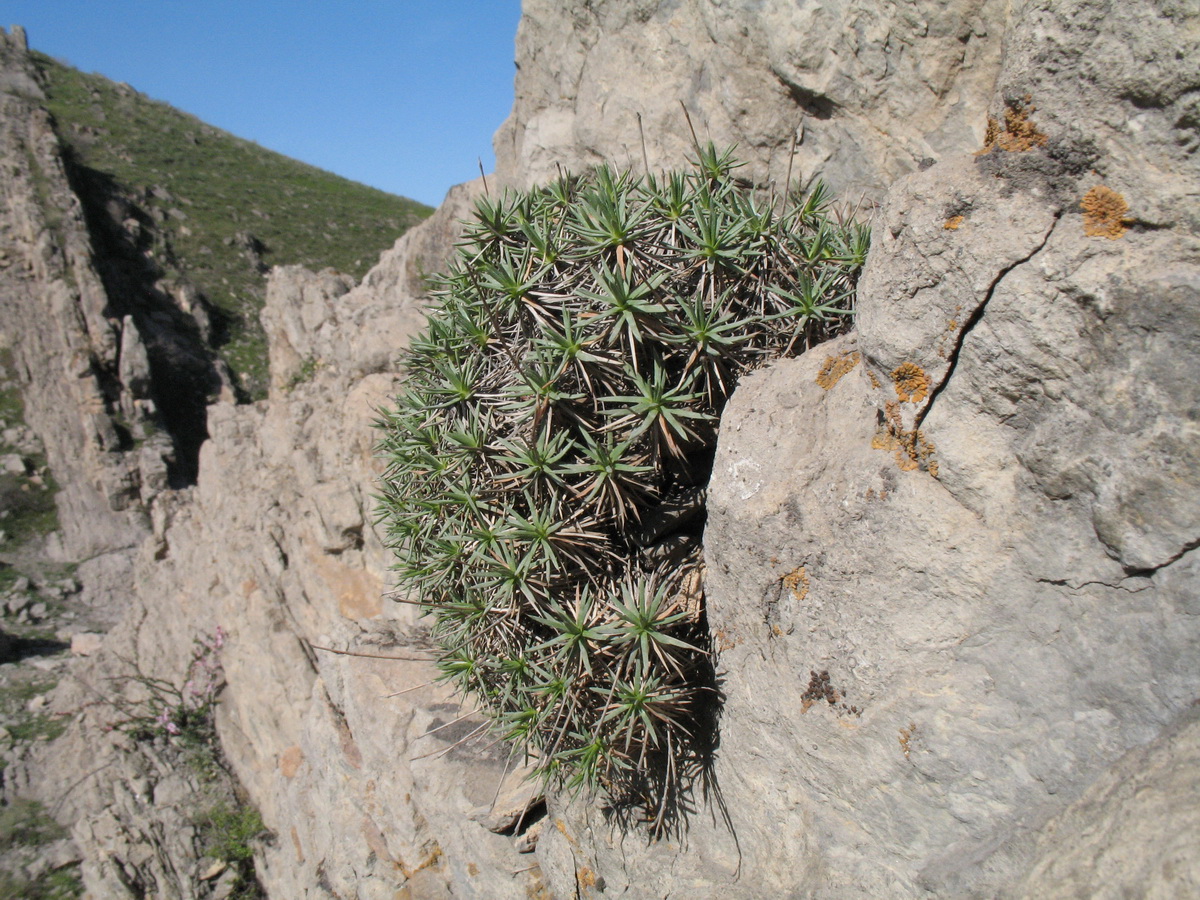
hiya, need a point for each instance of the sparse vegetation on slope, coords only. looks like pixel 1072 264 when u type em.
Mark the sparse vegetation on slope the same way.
pixel 27 508
pixel 214 210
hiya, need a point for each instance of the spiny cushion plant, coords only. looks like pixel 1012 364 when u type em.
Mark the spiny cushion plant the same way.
pixel 557 425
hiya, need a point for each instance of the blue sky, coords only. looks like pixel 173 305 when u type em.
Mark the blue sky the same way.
pixel 403 95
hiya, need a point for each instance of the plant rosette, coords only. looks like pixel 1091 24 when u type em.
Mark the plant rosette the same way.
pixel 546 461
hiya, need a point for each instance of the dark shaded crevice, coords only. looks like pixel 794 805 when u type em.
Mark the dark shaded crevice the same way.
pixel 17 648
pixel 1156 98
pixel 1151 571
pixel 183 375
pixel 1072 586
pixel 810 102
pixel 673 785
pixel 530 815
pixel 975 318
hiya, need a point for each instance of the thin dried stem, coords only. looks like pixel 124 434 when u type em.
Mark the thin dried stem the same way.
pixel 373 655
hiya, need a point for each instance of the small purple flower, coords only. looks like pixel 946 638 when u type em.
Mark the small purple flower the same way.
pixel 164 721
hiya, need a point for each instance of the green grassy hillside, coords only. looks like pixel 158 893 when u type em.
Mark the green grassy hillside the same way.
pixel 212 209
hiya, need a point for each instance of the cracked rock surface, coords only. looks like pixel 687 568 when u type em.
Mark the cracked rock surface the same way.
pixel 869 91
pixel 979 542
pixel 952 569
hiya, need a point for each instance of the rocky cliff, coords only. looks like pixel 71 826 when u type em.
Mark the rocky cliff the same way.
pixel 81 355
pixel 951 557
pixel 862 92
pixel 926 541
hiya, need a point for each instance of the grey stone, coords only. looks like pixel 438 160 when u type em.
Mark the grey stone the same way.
pixel 1006 605
pixel 56 282
pixel 514 806
pixel 1135 832
pixel 866 92
pixel 133 366
pixel 86 643
pixel 528 841
pixel 984 533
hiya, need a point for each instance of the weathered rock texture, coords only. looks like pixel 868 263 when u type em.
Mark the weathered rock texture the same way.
pixel 952 591
pixel 85 363
pixel 274 544
pixel 951 588
pixel 1098 846
pixel 868 90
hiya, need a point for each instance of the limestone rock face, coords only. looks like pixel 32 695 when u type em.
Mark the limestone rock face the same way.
pixel 867 90
pixel 274 544
pixel 1133 832
pixel 55 320
pixel 952 571
pixel 953 587
pixel 315 321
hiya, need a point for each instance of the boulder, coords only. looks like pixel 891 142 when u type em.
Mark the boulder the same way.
pixel 952 558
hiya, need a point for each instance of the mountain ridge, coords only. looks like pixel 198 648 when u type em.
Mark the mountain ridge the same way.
pixel 209 209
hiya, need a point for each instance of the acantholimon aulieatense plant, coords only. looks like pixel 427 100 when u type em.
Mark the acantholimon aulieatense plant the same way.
pixel 547 458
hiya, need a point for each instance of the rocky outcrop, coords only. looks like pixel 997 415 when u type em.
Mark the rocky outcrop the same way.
pixel 114 361
pixel 868 91
pixel 321 321
pixel 274 544
pixel 63 337
pixel 951 559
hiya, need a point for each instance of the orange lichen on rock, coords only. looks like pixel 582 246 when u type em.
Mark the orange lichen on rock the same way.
pixel 1018 133
pixel 796 581
pixel 913 450
pixel 1104 213
pixel 952 223
pixel 432 858
pixel 562 827
pixel 945 340
pixel 912 384
pixel 835 367
pixel 906 738
pixel 586 877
